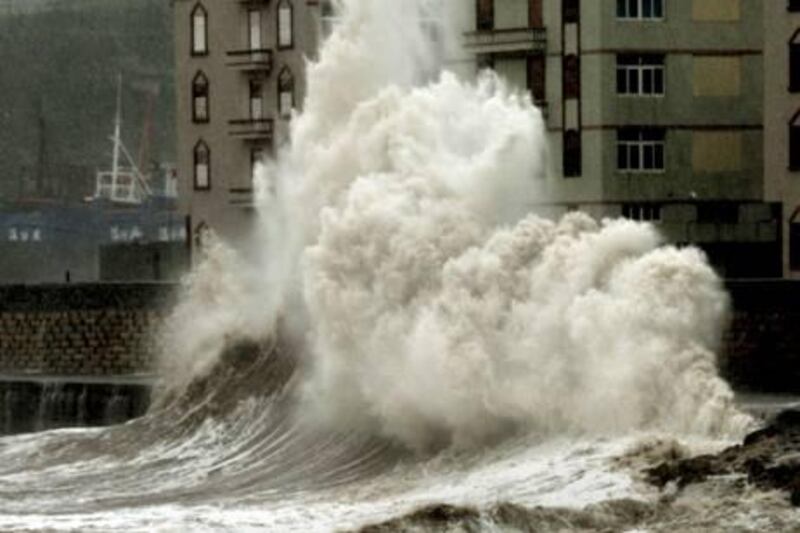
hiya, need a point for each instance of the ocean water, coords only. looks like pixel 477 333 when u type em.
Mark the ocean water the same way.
pixel 410 341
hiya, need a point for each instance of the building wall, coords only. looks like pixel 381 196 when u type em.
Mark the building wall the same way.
pixel 227 207
pixel 780 105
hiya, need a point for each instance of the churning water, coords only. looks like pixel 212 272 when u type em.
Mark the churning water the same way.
pixel 412 335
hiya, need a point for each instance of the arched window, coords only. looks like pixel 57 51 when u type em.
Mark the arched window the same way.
pixel 199 30
pixel 200 98
pixel 285 23
pixel 285 92
pixel 794 63
pixel 794 142
pixel 202 166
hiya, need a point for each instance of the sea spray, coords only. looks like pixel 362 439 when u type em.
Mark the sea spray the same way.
pixel 435 307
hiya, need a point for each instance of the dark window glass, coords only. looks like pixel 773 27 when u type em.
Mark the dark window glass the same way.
pixel 485 14
pixel 794 246
pixel 794 143
pixel 537 78
pixel 794 63
pixel 793 5
pixel 572 10
pixel 622 157
pixel 572 154
pixel 572 76
pixel 535 14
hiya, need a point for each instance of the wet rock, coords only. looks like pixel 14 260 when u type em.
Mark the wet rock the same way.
pixel 768 457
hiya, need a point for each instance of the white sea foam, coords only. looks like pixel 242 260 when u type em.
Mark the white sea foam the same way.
pixel 437 308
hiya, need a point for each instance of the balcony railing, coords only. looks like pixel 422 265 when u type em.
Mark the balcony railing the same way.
pixel 251 59
pixel 252 129
pixel 507 40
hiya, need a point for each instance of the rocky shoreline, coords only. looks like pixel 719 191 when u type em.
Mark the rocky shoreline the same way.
pixel 768 457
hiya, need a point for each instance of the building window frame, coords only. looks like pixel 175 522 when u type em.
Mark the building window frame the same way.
pixel 642 212
pixel 257 154
pixel 286 95
pixel 794 143
pixel 640 10
pixel 794 63
pixel 641 150
pixel 200 99
pixel 285 22
pixel 641 75
pixel 202 166
pixel 198 23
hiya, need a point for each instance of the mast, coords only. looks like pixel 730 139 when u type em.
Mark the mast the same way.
pixel 117 134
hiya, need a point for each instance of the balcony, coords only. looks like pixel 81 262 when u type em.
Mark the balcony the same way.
pixel 251 60
pixel 252 129
pixel 506 41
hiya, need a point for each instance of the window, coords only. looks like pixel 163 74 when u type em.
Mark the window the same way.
pixel 572 76
pixel 254 29
pixel 13 235
pixel 200 98
pixel 640 149
pixel 643 212
pixel 794 143
pixel 535 19
pixel 640 9
pixel 199 30
pixel 573 154
pixel 163 234
pixel 202 166
pixel 485 15
pixel 328 18
pixel 571 10
pixel 793 5
pixel 285 93
pixel 536 78
pixel 256 100
pixel 37 234
pixel 285 22
pixel 256 158
pixel 640 74
pixel 794 244
pixel 794 63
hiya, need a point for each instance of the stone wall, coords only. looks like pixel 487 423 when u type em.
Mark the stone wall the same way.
pixel 81 329
pixel 762 345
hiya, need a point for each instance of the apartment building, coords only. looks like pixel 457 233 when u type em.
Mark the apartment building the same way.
pixel 655 112
pixel 239 76
pixel 782 121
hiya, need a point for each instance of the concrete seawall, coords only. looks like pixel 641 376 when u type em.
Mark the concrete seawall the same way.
pixel 84 353
pixel 77 354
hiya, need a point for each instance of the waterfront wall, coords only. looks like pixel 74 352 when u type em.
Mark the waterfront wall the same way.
pixel 81 329
pixel 105 330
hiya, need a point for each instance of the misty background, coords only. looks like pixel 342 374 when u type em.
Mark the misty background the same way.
pixel 59 61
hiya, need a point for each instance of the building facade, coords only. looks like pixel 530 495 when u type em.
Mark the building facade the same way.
pixel 782 121
pixel 655 111
pixel 239 75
